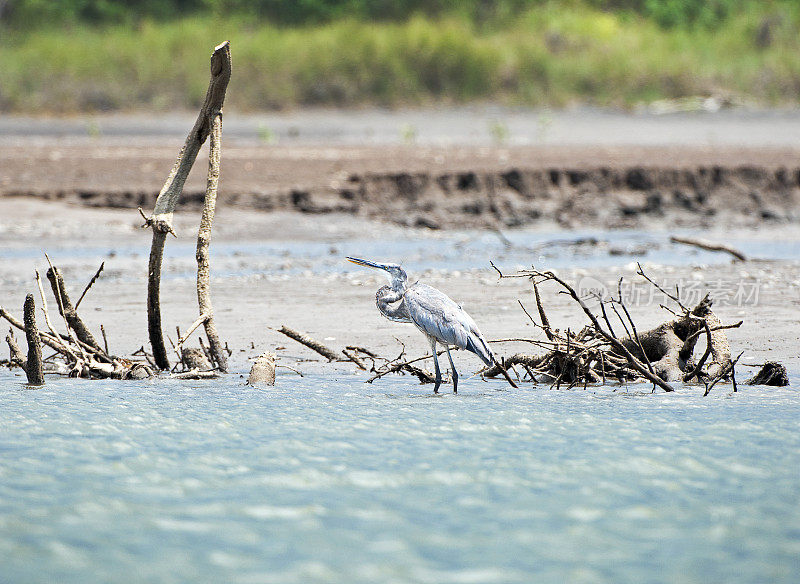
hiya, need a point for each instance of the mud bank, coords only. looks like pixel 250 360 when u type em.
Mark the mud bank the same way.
pixel 438 188
pixel 604 197
pixel 608 197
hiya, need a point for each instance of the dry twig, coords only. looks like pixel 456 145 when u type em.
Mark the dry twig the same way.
pixel 90 284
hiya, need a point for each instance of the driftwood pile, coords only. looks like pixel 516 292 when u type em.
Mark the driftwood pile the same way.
pixel 77 352
pixel 662 355
pixel 611 346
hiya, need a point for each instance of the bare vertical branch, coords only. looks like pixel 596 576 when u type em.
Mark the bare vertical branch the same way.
pixel 64 341
pixel 154 295
pixel 709 344
pixel 542 314
pixel 729 367
pixel 161 220
pixel 105 339
pixel 33 367
pixel 203 243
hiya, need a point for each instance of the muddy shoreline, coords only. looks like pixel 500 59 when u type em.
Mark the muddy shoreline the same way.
pixel 436 188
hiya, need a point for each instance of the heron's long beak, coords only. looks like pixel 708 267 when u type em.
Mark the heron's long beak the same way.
pixel 367 263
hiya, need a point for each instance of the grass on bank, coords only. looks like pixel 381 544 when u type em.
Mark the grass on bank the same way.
pixel 548 56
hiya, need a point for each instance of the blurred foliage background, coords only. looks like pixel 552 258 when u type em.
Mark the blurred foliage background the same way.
pixel 100 55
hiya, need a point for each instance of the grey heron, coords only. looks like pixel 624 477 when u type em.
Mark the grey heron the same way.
pixel 435 314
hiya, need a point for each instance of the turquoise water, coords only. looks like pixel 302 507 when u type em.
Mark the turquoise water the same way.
pixel 328 479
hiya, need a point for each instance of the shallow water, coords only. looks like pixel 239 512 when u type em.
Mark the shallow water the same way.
pixel 445 251
pixel 328 479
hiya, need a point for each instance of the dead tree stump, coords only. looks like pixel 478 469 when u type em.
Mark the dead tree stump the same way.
pixel 33 368
pixel 669 346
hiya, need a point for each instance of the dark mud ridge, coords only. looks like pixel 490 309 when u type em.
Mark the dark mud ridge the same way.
pixel 600 197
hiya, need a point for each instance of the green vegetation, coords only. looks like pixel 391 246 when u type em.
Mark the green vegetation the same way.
pixel 601 52
pixel 668 13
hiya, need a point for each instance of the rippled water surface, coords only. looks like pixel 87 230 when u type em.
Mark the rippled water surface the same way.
pixel 327 479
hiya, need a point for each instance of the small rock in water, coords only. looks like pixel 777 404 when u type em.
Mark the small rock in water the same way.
pixel 195 358
pixel 771 373
pixel 140 371
pixel 263 370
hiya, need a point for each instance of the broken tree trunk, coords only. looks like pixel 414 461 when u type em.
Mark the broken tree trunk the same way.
pixel 33 367
pixel 668 346
pixel 161 219
pixel 203 242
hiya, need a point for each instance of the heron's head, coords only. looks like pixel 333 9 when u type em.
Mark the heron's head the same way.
pixel 397 276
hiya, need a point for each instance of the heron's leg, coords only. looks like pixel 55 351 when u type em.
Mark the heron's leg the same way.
pixel 436 366
pixel 453 369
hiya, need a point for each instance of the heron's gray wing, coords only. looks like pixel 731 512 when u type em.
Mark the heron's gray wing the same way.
pixel 438 316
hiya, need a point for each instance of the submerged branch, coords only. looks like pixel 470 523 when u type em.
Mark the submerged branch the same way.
pixel 709 246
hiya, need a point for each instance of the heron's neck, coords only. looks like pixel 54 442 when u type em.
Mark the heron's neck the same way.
pixel 399 285
pixel 386 297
